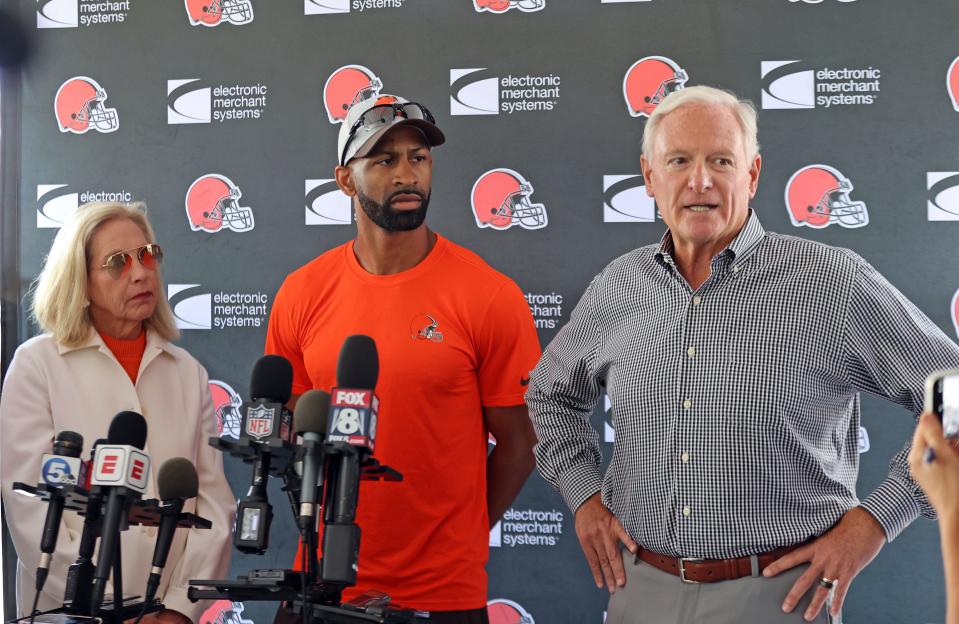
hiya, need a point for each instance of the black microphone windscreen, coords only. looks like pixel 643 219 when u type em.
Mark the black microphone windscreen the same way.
pixel 272 379
pixel 359 364
pixel 68 444
pixel 312 409
pixel 177 479
pixel 128 428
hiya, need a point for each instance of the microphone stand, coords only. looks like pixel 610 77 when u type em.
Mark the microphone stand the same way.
pixel 323 599
pixel 78 596
pixel 117 579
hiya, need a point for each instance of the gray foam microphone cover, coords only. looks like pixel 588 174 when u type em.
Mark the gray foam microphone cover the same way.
pixel 177 479
pixel 311 412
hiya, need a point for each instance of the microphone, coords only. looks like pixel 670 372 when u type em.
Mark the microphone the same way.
pixel 309 420
pixel 80 575
pixel 63 467
pixel 176 482
pixel 351 437
pixel 265 417
pixel 266 424
pixel 124 470
pixel 353 406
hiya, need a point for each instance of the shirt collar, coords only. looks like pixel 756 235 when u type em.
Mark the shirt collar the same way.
pixel 154 343
pixel 741 247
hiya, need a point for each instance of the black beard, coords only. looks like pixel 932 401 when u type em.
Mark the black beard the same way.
pixel 394 220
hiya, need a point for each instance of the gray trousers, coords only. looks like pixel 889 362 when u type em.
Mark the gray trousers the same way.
pixel 652 596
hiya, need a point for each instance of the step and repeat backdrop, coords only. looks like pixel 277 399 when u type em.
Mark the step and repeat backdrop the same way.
pixel 222 116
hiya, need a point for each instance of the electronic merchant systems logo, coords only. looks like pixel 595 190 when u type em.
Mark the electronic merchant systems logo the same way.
pixel 547 309
pixel 325 7
pixel 74 13
pixel 818 196
pixel 648 81
pixel 476 91
pixel 193 101
pixel 196 308
pixel 797 85
pixel 609 432
pixel 212 13
pixel 942 203
pixel 56 202
pixel 326 204
pixel 501 199
pixel 329 7
pixel 528 527
pixel 345 87
pixel 625 200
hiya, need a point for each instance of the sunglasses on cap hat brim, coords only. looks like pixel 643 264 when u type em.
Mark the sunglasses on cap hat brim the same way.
pixel 379 119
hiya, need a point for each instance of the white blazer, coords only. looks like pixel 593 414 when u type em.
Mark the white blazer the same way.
pixel 49 388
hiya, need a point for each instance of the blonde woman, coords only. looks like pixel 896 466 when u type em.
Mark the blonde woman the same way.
pixel 107 348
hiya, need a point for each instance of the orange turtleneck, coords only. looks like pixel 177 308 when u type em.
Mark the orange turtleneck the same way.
pixel 127 352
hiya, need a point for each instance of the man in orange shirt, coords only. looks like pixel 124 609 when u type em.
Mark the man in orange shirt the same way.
pixel 456 342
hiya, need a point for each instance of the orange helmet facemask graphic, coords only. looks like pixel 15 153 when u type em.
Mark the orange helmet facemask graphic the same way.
pixel 215 12
pixel 649 81
pixel 818 195
pixel 225 612
pixel 501 6
pixel 500 200
pixel 79 107
pixel 226 407
pixel 952 83
pixel 954 309
pixel 212 204
pixel 347 86
pixel 502 611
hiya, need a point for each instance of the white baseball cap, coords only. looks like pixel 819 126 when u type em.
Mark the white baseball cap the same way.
pixel 356 141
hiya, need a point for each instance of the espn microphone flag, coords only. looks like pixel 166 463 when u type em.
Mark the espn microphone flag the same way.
pixel 121 465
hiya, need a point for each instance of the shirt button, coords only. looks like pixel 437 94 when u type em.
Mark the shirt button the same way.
pixel 685 457
pixel 688 403
pixel 735 268
pixel 697 299
pixel 687 511
pixel 691 351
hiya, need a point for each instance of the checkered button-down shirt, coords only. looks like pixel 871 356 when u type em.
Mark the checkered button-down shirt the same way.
pixel 736 406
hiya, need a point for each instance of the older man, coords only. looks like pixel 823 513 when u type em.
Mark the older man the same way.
pixel 733 358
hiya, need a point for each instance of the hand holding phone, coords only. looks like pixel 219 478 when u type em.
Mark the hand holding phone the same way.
pixel 942 399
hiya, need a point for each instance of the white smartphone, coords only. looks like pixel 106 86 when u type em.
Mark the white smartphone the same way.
pixel 942 399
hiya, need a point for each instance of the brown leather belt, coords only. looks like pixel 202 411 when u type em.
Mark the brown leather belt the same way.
pixel 711 570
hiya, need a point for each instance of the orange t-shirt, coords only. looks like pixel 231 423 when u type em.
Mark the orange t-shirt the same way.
pixel 453 335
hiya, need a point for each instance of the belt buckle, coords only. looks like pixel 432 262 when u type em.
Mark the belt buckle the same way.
pixel 682 569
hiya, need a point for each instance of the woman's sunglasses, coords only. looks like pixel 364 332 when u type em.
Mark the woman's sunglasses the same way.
pixel 119 264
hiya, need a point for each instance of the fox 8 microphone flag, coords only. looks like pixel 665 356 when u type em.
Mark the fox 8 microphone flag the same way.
pixel 232 145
